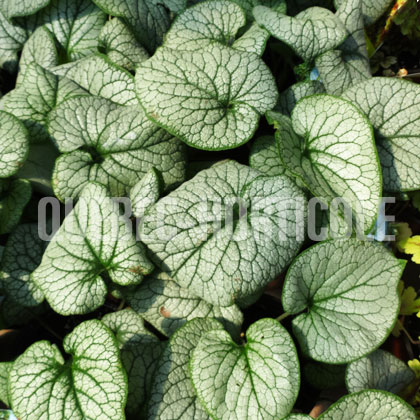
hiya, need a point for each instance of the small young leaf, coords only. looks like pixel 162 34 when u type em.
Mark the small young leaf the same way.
pixel 149 19
pixel 140 351
pixel 145 193
pixel 13 8
pixel 93 240
pixel 349 64
pixel 207 98
pixel 14 196
pixel 311 33
pixel 329 145
pixel 392 105
pixel 5 368
pixel 223 234
pixel 119 44
pixel 22 255
pixel 14 144
pixel 90 385
pixel 172 395
pixel 369 405
pixel 113 145
pixel 37 94
pixel 372 9
pixel 264 157
pixel 258 380
pixel 100 77
pixel 378 370
pixel 165 305
pixel 349 291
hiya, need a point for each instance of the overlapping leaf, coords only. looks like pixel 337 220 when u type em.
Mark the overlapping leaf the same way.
pixel 349 291
pixel 113 145
pixel 258 380
pixel 393 107
pixel 227 232
pixel 93 240
pixel 145 193
pixel 329 145
pixel 372 9
pixel 167 306
pixel 90 385
pixel 12 8
pixel 311 33
pixel 14 144
pixel 264 156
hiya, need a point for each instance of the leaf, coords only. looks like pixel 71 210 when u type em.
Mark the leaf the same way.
pixel 76 25
pixel 254 39
pixel 113 145
pixel 403 232
pixel 329 145
pixel 38 93
pixel 14 144
pixel 100 77
pixel 392 106
pixel 209 98
pixel 119 44
pixel 369 405
pixel 22 255
pixel 291 96
pixel 90 385
pixel 41 49
pixel 149 19
pixel 5 368
pixel 145 193
pixel 248 5
pixel 14 196
pixel 298 417
pixel 172 395
pixel 412 246
pixel 323 376
pixel 258 380
pixel 349 64
pixel 38 167
pixel 222 235
pixel 311 33
pixel 93 240
pixel 140 351
pixel 12 8
pixel 348 290
pixel 12 38
pixel 410 302
pixel 372 9
pixel 165 305
pixel 378 370
pixel 264 157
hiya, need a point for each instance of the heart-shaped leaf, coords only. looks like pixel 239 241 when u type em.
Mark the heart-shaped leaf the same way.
pixel 349 64
pixel 378 370
pixel 264 156
pixel 38 93
pixel 149 19
pixel 119 44
pixel 113 145
pixel 5 368
pixel 145 193
pixel 227 232
pixel 311 33
pixel 165 305
pixel 94 239
pixel 370 405
pixel 22 255
pixel 140 351
pixel 90 385
pixel 12 8
pixel 291 96
pixel 14 144
pixel 372 9
pixel 172 395
pixel 393 107
pixel 14 196
pixel 329 145
pixel 100 77
pixel 12 38
pixel 348 289
pixel 207 98
pixel 258 380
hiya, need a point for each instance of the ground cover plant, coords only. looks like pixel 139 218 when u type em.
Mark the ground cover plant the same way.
pixel 209 209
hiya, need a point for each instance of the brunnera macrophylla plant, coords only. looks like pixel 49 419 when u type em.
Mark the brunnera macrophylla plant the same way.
pixel 122 107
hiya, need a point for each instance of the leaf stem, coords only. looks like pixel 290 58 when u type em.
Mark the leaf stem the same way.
pixel 282 316
pixel 415 343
